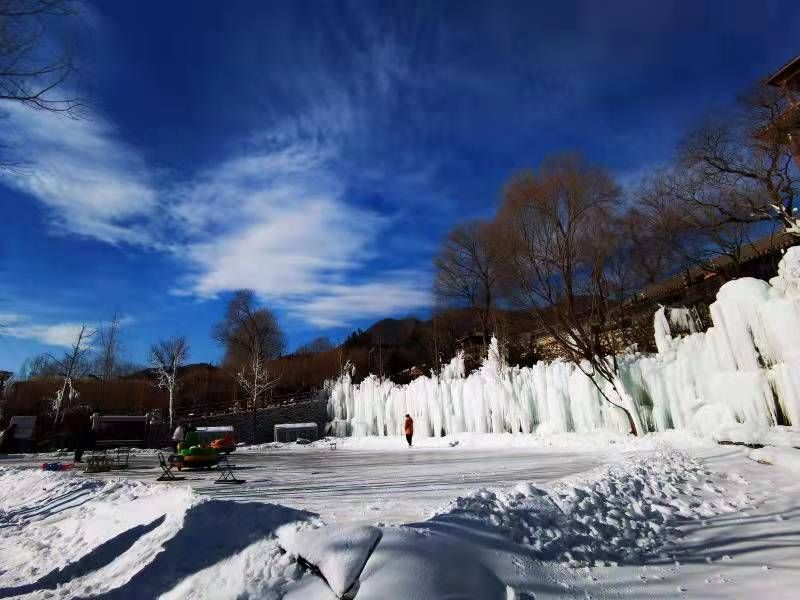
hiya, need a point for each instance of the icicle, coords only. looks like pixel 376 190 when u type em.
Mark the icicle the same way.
pixel 745 369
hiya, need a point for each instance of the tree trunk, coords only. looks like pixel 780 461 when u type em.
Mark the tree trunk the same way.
pixel 171 406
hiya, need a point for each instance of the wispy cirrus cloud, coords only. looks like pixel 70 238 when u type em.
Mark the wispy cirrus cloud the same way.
pixel 391 293
pixel 276 214
pixel 60 335
pixel 275 217
pixel 92 183
pixel 279 222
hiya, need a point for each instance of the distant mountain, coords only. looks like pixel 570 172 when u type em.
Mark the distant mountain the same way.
pixel 397 332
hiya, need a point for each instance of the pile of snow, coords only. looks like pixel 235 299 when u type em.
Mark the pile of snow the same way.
pixel 753 436
pixel 132 539
pixel 788 458
pixel 339 553
pixel 745 369
pixel 621 514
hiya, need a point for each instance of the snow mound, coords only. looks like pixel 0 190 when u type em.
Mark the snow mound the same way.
pixel 622 513
pixel 788 278
pixel 420 565
pixel 129 539
pixel 751 436
pixel 788 458
pixel 339 552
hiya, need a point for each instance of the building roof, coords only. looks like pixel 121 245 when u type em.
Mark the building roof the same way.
pixel 788 72
pixel 750 252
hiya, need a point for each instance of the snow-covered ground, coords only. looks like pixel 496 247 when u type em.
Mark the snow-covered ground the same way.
pixel 631 519
pixel 387 483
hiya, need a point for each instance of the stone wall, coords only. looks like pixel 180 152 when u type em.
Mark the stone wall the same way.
pixel 259 427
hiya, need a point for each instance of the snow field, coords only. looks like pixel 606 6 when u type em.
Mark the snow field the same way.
pixel 65 536
pixel 658 523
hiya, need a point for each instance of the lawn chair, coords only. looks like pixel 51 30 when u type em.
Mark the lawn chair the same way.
pixel 166 469
pixel 226 474
pixel 121 458
pixel 97 462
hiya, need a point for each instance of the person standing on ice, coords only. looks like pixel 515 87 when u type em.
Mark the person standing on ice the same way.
pixel 408 428
pixel 177 437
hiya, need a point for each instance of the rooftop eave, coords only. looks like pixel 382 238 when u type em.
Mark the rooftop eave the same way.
pixel 788 71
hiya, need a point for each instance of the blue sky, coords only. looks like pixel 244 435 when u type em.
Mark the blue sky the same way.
pixel 318 152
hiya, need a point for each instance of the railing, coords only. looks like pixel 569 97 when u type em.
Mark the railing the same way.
pixel 215 408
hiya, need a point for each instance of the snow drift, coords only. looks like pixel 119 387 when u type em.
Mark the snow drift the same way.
pixel 745 369
pixel 65 535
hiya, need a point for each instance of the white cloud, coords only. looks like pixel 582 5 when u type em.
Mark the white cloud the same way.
pixel 93 184
pixel 62 335
pixel 274 216
pixel 274 221
pixel 340 304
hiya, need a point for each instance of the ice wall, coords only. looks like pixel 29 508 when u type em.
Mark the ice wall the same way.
pixel 743 369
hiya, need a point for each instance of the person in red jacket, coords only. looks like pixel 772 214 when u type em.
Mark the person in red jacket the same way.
pixel 408 428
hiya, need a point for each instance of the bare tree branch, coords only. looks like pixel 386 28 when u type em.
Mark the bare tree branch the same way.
pixel 35 66
pixel 561 262
pixel 466 272
pixel 166 358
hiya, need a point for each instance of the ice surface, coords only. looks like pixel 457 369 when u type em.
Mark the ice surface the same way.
pixel 744 370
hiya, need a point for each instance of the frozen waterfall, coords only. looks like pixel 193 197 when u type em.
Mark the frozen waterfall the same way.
pixel 745 369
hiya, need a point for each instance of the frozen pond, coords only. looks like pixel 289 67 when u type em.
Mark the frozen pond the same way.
pixel 366 486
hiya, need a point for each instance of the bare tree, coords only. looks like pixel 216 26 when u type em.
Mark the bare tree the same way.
pixel 558 251
pixel 39 366
pixel 740 168
pixel 255 379
pixel 676 216
pixel 109 349
pixel 33 68
pixel 315 346
pixel 652 255
pixel 466 272
pixel 72 365
pixel 166 358
pixel 248 330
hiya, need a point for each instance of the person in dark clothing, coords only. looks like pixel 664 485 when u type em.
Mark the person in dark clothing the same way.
pixel 77 425
pixel 7 436
pixel 408 428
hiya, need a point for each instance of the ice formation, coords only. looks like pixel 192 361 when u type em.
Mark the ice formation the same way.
pixel 745 369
